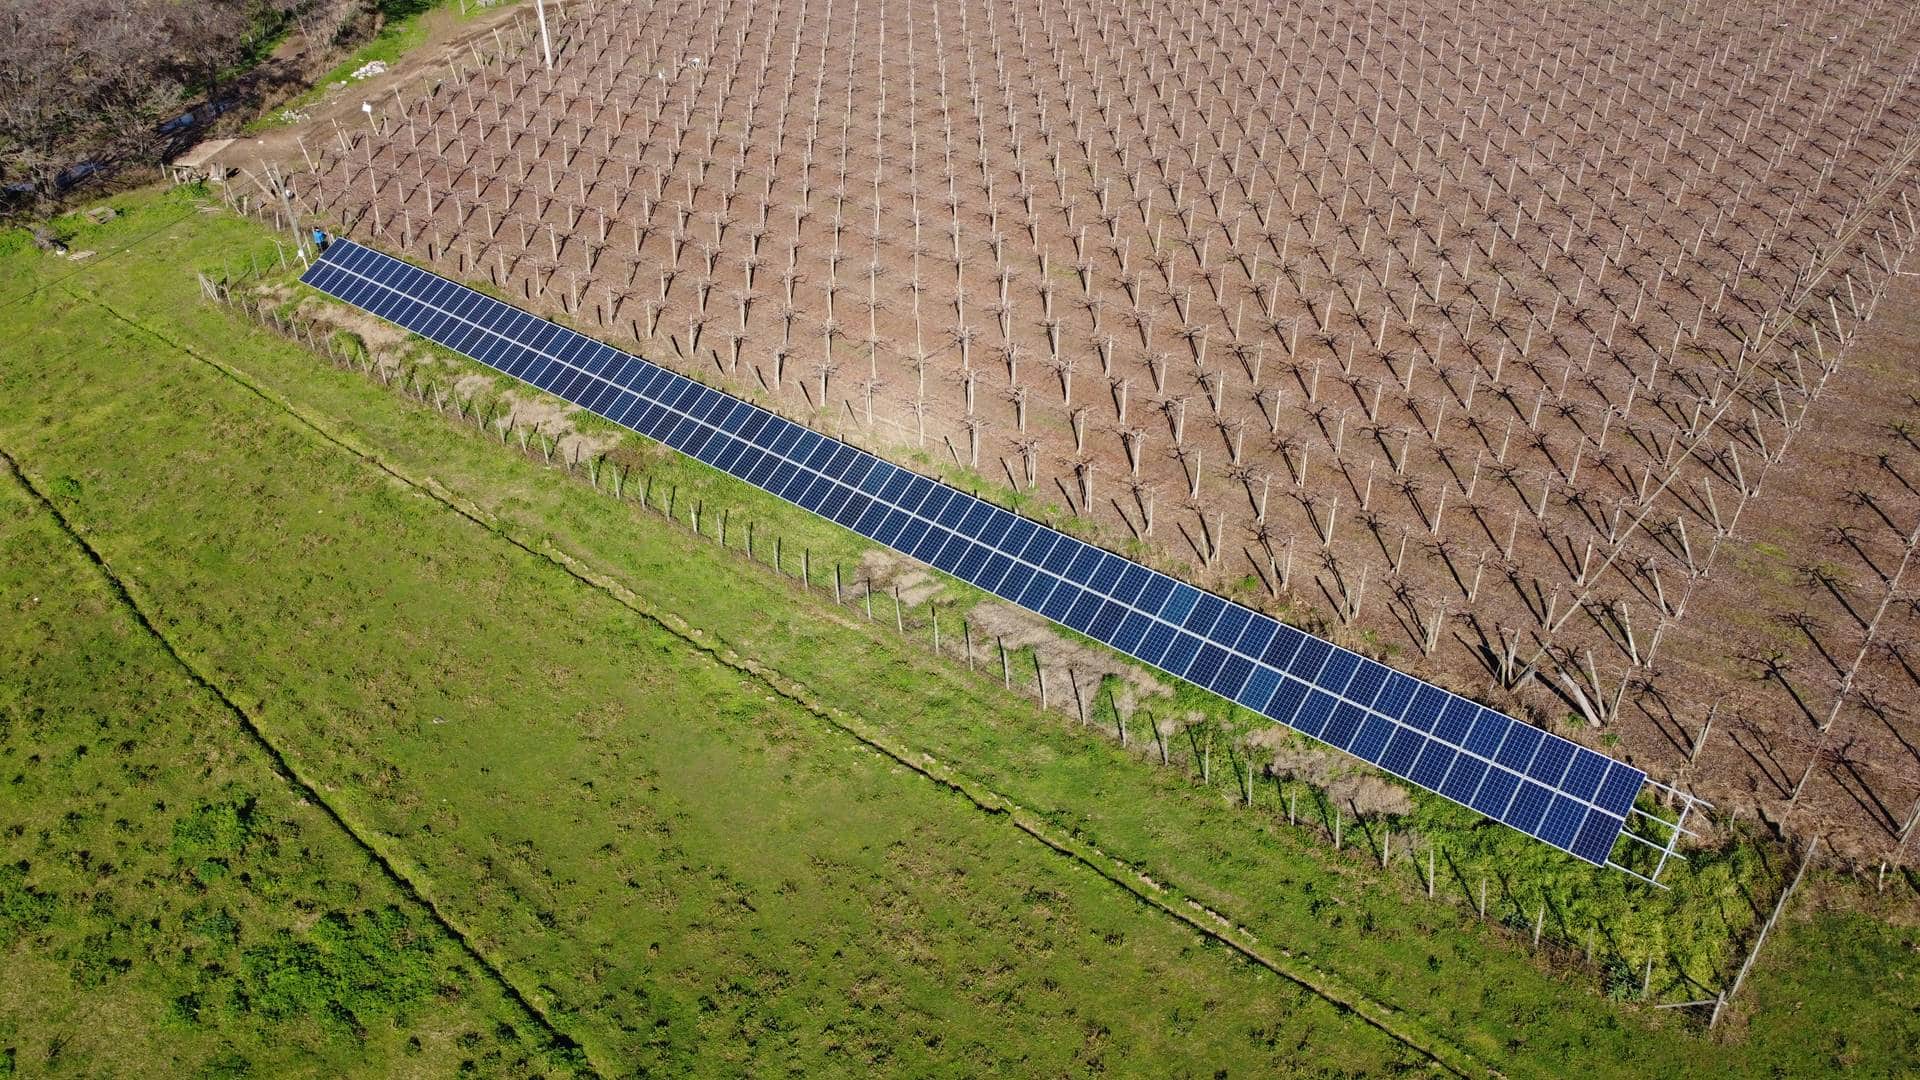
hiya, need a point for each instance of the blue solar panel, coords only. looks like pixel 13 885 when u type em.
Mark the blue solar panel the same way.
pixel 1568 796
pixel 1463 779
pixel 1430 771
pixel 1313 715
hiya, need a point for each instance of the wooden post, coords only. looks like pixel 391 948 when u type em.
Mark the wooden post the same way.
pixel 899 620
pixel 749 539
pixel 966 635
pixel 934 614
pixel 836 582
pixel 776 553
pixel 1483 896
pixel 1040 673
pixel 1006 665
pixel 869 599
pixel 725 513
pixel 806 569
pixel 1539 923
pixel 1429 869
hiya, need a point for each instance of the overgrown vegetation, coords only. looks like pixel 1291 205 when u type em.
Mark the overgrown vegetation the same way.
pixel 89 86
pixel 384 31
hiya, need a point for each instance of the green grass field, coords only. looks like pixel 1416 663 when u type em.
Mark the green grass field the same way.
pixel 643 799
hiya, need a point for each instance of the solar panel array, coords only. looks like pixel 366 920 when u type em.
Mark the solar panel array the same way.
pixel 1543 785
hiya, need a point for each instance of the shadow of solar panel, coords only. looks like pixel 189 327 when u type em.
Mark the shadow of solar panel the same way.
pixel 1566 795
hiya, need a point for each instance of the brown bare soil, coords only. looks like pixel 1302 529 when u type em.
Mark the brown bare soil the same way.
pixel 1527 348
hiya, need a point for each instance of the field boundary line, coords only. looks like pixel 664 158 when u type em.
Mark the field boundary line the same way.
pixel 127 593
pixel 1165 898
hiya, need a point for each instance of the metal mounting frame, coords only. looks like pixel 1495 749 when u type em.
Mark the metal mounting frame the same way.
pixel 1676 829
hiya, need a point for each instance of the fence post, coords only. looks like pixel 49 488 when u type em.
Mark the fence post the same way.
pixel 836 581
pixel 1778 907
